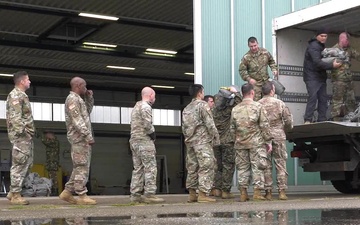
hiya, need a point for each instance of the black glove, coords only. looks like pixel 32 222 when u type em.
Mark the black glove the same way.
pixel 152 136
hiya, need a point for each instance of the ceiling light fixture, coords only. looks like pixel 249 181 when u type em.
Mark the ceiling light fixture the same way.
pixel 99 44
pixel 161 51
pixel 191 74
pixel 159 54
pixel 6 75
pixel 161 86
pixel 121 67
pixel 97 16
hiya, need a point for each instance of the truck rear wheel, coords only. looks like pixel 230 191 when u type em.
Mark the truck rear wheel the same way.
pixel 344 186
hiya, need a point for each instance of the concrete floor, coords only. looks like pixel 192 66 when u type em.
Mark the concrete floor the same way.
pixel 115 206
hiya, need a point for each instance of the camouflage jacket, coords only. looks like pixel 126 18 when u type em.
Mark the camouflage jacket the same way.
pixel 254 65
pixel 222 120
pixel 77 118
pixel 279 116
pixel 198 125
pixel 52 148
pixel 249 125
pixel 141 121
pixel 343 72
pixel 19 117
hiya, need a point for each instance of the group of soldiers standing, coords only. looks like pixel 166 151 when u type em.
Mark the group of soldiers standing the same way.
pixel 246 130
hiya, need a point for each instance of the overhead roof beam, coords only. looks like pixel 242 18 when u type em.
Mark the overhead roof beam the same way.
pixel 73 13
pixel 63 48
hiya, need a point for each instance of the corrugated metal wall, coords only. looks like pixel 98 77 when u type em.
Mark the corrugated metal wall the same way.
pixel 216 47
pixel 301 4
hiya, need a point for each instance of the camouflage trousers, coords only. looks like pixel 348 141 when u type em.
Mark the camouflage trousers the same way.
pixel 258 91
pixel 81 157
pixel 343 94
pixel 22 161
pixel 279 154
pixel 200 165
pixel 225 159
pixel 246 161
pixel 54 179
pixel 145 167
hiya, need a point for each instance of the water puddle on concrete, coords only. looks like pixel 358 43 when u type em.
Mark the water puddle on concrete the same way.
pixel 281 217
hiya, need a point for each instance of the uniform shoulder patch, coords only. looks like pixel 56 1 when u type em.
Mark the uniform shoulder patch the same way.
pixel 71 106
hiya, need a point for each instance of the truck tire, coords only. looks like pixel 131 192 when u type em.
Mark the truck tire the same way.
pixel 344 186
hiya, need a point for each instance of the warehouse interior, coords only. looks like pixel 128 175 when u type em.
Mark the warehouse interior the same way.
pixel 56 40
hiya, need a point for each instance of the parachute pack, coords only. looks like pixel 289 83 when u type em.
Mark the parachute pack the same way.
pixel 225 98
pixel 330 54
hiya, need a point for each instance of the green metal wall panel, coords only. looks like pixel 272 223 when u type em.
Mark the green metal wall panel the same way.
pixel 302 4
pixel 216 45
pixel 247 23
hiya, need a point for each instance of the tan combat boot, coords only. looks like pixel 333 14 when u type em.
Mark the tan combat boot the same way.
pixel 9 196
pixel 16 199
pixel 192 195
pixel 282 195
pixel 135 198
pixel 226 195
pixel 217 193
pixel 268 195
pixel 203 198
pixel 243 195
pixel 257 195
pixel 148 198
pixel 67 197
pixel 85 200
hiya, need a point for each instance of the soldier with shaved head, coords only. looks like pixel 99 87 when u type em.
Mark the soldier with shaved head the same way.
pixel 21 129
pixel 78 106
pixel 343 98
pixel 143 150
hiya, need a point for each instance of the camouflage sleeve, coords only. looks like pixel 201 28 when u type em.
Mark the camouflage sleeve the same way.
pixel 355 54
pixel 232 127
pixel 265 125
pixel 89 102
pixel 147 118
pixel 287 118
pixel 209 121
pixel 77 121
pixel 15 115
pixel 272 63
pixel 243 71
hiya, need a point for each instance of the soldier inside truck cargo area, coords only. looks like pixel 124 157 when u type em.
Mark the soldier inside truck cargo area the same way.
pixel 314 76
pixel 253 67
pixel 343 95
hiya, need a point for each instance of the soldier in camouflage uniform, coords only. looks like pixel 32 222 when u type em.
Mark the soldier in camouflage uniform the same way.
pixel 78 106
pixel 143 150
pixel 250 128
pixel 52 149
pixel 342 82
pixel 210 100
pixel 224 153
pixel 21 129
pixel 280 120
pixel 200 136
pixel 253 66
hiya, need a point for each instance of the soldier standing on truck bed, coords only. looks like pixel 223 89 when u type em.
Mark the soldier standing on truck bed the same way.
pixel 342 83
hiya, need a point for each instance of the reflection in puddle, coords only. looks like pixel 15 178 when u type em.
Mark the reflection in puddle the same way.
pixel 281 217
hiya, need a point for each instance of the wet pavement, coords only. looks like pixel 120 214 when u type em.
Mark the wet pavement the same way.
pixel 314 209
